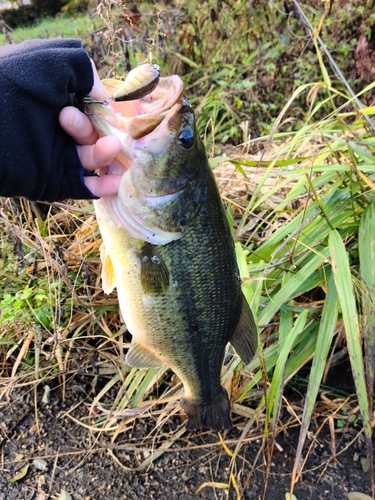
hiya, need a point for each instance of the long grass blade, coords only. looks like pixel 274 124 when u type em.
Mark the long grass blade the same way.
pixel 324 340
pixel 286 292
pixel 366 247
pixel 277 384
pixel 345 291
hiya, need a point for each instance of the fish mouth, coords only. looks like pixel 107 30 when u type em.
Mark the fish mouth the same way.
pixel 134 121
pixel 145 114
pixel 146 128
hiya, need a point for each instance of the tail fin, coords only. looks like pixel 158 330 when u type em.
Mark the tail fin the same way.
pixel 214 415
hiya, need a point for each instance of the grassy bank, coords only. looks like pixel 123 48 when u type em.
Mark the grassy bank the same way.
pixel 63 25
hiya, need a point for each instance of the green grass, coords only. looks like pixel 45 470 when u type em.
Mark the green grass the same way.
pixel 63 25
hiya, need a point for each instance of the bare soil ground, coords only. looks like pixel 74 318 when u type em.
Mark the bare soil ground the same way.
pixel 83 464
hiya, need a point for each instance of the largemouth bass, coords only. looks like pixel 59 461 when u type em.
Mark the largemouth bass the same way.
pixel 168 249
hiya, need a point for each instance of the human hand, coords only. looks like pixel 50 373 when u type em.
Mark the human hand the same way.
pixel 94 152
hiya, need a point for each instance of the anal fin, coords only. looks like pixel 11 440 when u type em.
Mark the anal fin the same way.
pixel 244 339
pixel 139 356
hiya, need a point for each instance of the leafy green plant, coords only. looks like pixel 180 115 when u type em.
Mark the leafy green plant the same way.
pixel 29 304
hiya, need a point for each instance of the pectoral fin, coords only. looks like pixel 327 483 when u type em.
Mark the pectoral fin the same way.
pixel 139 356
pixel 244 339
pixel 108 272
pixel 154 272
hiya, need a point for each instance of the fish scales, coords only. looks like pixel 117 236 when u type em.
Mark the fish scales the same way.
pixel 182 301
pixel 188 325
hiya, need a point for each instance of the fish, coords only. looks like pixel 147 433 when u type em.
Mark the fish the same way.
pixel 168 249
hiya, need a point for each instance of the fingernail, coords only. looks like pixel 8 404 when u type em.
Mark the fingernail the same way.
pixel 75 120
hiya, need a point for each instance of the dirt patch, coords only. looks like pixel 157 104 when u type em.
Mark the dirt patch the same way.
pixel 83 463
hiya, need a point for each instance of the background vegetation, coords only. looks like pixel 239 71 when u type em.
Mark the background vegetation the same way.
pixel 293 152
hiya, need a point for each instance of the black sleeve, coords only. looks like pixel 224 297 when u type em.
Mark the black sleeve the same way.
pixel 38 78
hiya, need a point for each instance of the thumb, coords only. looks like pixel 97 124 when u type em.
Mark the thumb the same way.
pixel 98 91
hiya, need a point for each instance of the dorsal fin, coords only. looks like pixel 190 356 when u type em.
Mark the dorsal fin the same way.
pixel 244 339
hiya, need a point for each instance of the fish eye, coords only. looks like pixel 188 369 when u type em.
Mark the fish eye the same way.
pixel 186 138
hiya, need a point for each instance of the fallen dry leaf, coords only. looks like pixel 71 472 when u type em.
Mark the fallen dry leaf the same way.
pixel 20 474
pixel 355 495
pixel 64 495
pixel 288 496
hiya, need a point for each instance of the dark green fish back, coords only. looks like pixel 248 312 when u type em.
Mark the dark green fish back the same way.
pixel 182 299
pixel 204 287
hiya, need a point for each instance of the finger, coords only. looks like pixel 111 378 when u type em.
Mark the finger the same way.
pixel 100 154
pixel 77 125
pixel 98 90
pixel 106 185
